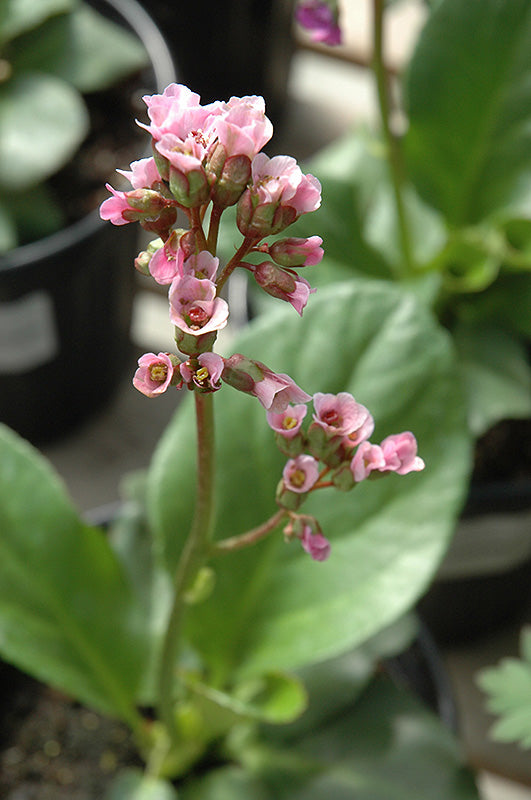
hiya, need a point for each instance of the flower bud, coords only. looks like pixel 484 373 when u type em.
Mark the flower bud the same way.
pixel 274 280
pixel 190 189
pixel 232 181
pixel 297 252
pixel 144 257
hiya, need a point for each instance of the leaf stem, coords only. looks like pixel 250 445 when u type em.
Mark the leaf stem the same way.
pixel 193 555
pixel 394 152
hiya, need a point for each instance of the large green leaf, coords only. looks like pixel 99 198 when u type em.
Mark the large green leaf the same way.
pixel 66 612
pixel 469 95
pixel 272 607
pixel 496 374
pixel 43 121
pixel 83 48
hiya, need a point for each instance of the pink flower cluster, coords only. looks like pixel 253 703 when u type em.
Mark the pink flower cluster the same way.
pixel 337 438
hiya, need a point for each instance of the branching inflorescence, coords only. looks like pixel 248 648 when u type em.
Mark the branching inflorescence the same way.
pixel 207 158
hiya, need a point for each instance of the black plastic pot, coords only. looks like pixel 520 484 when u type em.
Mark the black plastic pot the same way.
pixel 230 47
pixel 66 300
pixel 485 580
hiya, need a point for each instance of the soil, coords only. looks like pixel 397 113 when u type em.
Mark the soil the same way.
pixel 54 749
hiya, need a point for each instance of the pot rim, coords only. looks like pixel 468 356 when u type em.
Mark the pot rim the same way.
pixel 161 62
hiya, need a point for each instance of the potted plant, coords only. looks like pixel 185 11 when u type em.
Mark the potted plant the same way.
pixel 436 199
pixel 235 615
pixel 63 308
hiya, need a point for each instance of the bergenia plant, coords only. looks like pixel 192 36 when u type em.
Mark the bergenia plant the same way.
pixel 234 572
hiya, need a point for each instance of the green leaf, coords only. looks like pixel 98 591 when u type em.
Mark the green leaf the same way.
pixel 468 143
pixel 228 783
pixel 272 607
pixel 385 747
pixel 17 16
pixel 496 374
pixel 67 615
pixel 42 123
pixel 275 698
pixel 133 785
pixel 508 687
pixel 83 48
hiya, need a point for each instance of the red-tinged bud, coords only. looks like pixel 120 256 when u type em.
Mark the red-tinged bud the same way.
pixel 188 243
pixel 241 373
pixel 297 252
pixel 146 201
pixel 232 181
pixel 274 280
pixel 190 189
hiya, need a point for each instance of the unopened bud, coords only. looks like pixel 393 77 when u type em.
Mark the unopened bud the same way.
pixel 144 257
pixel 190 189
pixel 297 252
pixel 242 373
pixel 274 280
pixel 232 181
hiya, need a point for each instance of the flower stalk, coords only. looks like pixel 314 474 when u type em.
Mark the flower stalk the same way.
pixel 192 558
pixel 394 151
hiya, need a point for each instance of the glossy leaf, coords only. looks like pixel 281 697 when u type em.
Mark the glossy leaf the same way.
pixel 273 607
pixel 496 374
pixel 133 785
pixel 83 48
pixel 468 143
pixel 42 123
pixel 67 614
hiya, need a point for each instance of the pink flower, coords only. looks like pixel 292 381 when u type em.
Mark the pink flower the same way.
pixel 207 374
pixel 177 111
pixel 341 415
pixel 242 126
pixel 283 284
pixel 400 454
pixel 167 262
pixel 297 252
pixel 368 457
pixel 274 391
pixel 301 473
pixel 194 307
pixel 315 544
pixel 278 195
pixel 143 174
pixel 201 265
pixel 154 374
pixel 288 422
pixel 321 19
